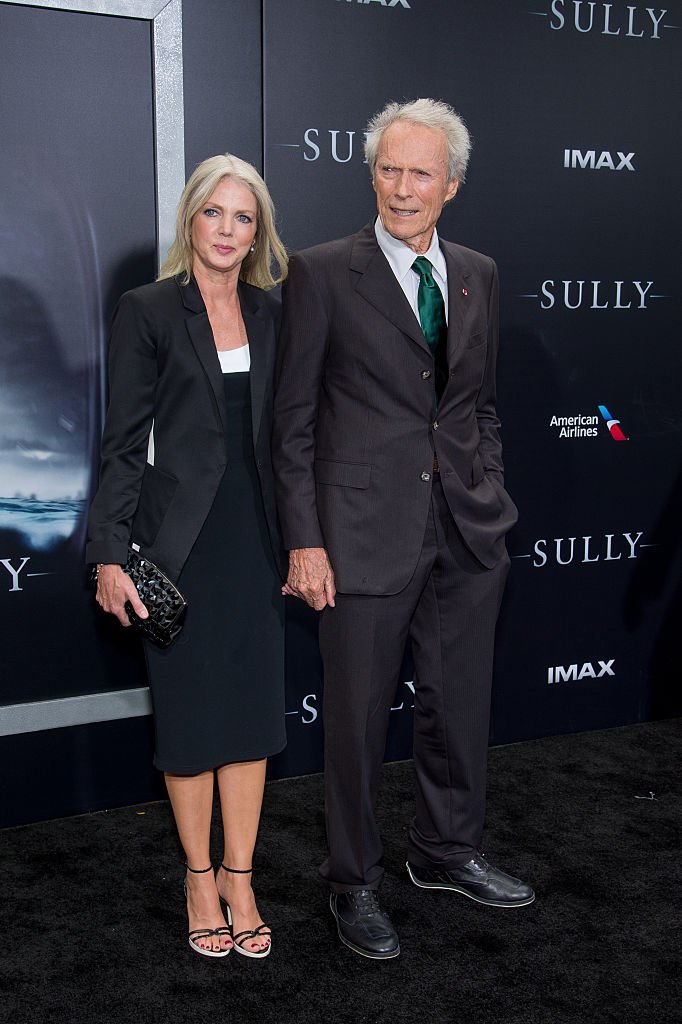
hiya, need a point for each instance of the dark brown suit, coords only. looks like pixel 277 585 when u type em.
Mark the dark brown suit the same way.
pixel 355 435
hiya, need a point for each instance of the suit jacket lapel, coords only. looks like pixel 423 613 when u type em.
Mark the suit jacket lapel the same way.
pixel 458 274
pixel 201 336
pixel 257 328
pixel 377 284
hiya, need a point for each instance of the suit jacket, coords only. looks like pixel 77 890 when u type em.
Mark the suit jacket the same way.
pixel 164 372
pixel 356 426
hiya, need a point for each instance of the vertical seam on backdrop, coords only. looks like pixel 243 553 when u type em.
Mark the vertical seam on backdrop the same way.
pixel 262 87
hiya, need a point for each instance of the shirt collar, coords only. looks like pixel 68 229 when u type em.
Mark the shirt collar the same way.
pixel 401 257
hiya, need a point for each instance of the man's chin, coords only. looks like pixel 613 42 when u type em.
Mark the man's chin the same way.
pixel 401 228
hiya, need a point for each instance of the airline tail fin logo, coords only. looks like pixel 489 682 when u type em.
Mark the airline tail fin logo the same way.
pixel 613 424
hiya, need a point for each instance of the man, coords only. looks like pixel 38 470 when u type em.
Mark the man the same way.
pixel 390 491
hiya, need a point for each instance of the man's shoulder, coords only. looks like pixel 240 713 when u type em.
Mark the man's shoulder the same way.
pixel 471 257
pixel 324 252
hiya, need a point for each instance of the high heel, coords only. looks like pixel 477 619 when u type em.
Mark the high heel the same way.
pixel 262 931
pixel 205 933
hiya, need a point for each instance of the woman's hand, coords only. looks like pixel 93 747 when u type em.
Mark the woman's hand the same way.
pixel 114 588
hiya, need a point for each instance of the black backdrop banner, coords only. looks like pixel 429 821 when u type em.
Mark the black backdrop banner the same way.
pixel 571 188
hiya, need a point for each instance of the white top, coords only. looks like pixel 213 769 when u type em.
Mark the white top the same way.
pixel 400 259
pixel 235 360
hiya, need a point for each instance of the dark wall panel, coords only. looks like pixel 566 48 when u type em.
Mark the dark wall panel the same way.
pixel 572 189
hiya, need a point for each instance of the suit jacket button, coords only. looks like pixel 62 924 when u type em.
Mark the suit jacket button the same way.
pixel 426 477
pixel 435 424
pixel 426 374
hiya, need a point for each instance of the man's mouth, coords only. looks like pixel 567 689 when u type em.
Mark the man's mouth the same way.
pixel 403 213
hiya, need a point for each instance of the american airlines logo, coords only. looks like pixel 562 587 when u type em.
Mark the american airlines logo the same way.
pixel 604 161
pixel 631 21
pixel 581 425
pixel 574 673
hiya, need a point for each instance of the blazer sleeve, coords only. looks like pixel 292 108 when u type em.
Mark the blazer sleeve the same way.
pixel 490 445
pixel 301 355
pixel 130 414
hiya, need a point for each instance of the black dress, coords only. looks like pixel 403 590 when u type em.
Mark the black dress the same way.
pixel 218 690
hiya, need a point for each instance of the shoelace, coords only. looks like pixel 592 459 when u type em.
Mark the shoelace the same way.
pixel 366 902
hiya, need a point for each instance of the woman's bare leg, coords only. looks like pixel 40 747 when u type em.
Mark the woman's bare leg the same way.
pixel 241 796
pixel 191 798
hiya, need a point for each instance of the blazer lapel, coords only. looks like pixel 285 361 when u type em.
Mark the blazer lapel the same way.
pixel 377 284
pixel 458 274
pixel 201 336
pixel 257 330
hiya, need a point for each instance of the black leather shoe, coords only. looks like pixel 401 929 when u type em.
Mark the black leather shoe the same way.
pixel 476 879
pixel 362 924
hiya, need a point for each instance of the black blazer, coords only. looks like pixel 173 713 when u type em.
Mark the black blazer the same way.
pixel 164 372
pixel 355 422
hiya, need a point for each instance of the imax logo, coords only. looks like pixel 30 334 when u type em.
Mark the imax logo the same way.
pixel 629 20
pixel 576 158
pixel 571 673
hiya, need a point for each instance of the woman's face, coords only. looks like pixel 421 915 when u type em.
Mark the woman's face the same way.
pixel 224 228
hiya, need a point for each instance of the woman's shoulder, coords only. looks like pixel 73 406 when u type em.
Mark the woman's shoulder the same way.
pixel 153 295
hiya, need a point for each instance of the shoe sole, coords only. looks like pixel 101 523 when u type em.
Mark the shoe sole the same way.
pixel 259 954
pixel 357 949
pixel 476 899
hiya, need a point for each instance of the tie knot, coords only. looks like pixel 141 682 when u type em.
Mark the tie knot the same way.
pixel 423 267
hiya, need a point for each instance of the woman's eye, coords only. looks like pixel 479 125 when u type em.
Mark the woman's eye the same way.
pixel 210 212
pixel 244 218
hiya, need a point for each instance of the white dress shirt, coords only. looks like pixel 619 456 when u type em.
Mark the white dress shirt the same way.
pixel 400 259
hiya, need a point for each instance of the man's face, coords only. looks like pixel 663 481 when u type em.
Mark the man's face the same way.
pixel 411 182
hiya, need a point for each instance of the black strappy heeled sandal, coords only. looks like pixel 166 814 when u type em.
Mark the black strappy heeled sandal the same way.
pixel 205 933
pixel 262 931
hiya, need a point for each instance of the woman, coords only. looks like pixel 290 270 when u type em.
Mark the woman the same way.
pixel 186 475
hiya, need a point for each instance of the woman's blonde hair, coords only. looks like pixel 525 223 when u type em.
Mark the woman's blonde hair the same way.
pixel 257 266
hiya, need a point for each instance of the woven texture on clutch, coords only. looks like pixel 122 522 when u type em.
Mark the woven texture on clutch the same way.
pixel 161 598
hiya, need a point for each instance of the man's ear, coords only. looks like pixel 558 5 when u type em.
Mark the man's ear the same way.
pixel 452 190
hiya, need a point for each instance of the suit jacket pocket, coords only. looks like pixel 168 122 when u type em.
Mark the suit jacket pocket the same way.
pixel 342 474
pixel 477 471
pixel 156 495
pixel 479 338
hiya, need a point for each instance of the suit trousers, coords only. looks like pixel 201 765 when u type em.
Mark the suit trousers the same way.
pixel 449 610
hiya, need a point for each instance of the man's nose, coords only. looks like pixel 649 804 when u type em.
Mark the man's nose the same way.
pixel 404 185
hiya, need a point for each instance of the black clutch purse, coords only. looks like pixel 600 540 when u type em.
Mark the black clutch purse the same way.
pixel 159 595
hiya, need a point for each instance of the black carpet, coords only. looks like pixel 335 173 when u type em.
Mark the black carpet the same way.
pixel 93 926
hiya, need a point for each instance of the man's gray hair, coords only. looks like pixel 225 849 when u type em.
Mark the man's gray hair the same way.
pixel 431 114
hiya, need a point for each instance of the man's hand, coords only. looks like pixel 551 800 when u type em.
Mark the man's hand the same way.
pixel 311 577
pixel 114 588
